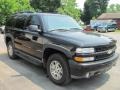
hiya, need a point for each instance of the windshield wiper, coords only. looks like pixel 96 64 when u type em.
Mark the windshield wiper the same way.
pixel 59 30
pixel 75 28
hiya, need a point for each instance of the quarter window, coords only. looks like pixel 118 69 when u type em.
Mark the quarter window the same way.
pixel 10 22
pixel 20 21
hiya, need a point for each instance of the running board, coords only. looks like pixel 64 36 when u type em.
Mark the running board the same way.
pixel 28 58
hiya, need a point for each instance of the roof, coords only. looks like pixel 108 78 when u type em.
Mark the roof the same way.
pixel 109 16
pixel 32 12
pixel 36 13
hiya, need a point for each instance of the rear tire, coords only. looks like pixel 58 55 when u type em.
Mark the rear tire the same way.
pixel 58 70
pixel 10 49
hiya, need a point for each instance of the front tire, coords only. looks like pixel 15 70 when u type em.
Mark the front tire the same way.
pixel 10 49
pixel 58 70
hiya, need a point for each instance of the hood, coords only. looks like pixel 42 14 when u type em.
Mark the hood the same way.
pixel 83 39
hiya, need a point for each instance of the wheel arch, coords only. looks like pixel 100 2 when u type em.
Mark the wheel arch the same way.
pixel 8 38
pixel 51 49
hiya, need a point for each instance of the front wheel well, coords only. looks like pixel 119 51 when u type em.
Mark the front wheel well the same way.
pixel 50 51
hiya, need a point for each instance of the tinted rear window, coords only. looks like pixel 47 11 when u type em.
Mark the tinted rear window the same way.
pixel 20 21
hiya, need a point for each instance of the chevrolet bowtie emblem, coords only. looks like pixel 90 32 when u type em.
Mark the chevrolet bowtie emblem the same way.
pixel 109 51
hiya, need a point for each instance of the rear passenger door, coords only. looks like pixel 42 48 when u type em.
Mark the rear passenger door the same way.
pixel 19 33
pixel 34 45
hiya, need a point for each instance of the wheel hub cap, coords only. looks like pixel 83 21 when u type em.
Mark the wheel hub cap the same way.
pixel 56 70
pixel 10 50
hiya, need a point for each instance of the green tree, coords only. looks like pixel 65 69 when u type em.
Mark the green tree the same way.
pixel 69 7
pixel 45 5
pixel 23 5
pixel 86 15
pixel 113 8
pixel 7 7
pixel 94 8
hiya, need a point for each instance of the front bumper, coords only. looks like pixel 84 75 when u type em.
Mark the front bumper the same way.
pixel 88 69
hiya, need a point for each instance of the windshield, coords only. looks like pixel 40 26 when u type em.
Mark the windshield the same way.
pixel 112 25
pixel 61 22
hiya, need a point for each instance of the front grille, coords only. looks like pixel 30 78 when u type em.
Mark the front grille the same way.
pixel 104 55
pixel 104 48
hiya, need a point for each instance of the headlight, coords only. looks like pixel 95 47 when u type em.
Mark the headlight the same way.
pixel 84 50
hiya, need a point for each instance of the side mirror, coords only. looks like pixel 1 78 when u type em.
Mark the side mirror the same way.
pixel 34 28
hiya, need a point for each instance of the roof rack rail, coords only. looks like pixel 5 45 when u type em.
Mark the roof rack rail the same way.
pixel 39 11
pixel 24 12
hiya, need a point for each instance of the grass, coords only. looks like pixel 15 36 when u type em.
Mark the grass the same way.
pixel 2 53
pixel 117 31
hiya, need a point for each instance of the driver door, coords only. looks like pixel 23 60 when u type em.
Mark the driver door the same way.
pixel 34 43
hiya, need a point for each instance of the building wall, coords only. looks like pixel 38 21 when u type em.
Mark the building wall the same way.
pixel 118 23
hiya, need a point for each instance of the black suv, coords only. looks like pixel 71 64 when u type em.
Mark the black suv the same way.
pixel 59 44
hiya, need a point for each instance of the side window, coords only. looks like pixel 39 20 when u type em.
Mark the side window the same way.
pixel 34 20
pixel 20 21
pixel 10 21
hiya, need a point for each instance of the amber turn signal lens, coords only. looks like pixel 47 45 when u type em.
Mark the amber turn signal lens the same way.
pixel 83 59
pixel 78 59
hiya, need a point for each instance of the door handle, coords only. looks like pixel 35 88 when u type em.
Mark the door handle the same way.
pixel 34 38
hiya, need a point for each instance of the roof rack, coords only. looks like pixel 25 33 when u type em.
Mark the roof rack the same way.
pixel 24 12
pixel 55 12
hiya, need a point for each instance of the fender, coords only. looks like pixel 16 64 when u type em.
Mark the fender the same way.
pixel 8 35
pixel 60 48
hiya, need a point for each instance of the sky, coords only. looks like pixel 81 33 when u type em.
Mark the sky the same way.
pixel 81 2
